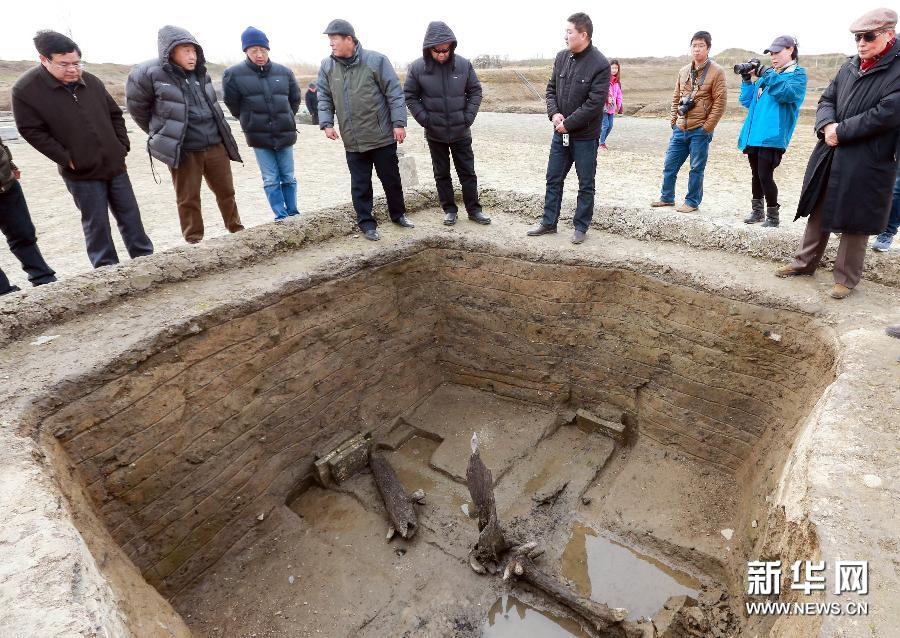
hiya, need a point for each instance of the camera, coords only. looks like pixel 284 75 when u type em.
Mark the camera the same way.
pixel 750 66
pixel 685 104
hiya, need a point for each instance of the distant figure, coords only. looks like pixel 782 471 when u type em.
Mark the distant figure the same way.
pixel 613 103
pixel 312 102
pixel 173 100
pixel 773 104
pixel 265 97
pixel 886 238
pixel 68 115
pixel 852 171
pixel 15 223
pixel 576 98
pixel 697 106
pixel 362 88
pixel 443 94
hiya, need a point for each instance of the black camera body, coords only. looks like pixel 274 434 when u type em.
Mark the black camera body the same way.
pixel 686 104
pixel 752 65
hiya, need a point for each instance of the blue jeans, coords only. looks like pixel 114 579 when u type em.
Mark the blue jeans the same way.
pixel 693 143
pixel 277 168
pixel 894 220
pixel 582 153
pixel 606 125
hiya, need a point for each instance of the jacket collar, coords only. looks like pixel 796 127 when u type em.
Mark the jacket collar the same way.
pixel 582 52
pixel 51 82
pixel 265 68
pixel 353 59
pixel 886 60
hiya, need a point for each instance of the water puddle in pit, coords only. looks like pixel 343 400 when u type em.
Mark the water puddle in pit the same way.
pixel 619 576
pixel 509 617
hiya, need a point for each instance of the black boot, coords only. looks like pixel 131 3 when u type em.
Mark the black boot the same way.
pixel 771 216
pixel 756 213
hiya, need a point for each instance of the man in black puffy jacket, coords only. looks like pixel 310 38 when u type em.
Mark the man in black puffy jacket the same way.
pixel 443 94
pixel 265 97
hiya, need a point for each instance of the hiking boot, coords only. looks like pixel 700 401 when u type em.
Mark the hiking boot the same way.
pixel 578 236
pixel 883 243
pixel 371 234
pixel 839 291
pixel 449 218
pixel 540 229
pixel 660 203
pixel 403 220
pixel 771 216
pixel 479 217
pixel 756 212
pixel 687 208
pixel 792 271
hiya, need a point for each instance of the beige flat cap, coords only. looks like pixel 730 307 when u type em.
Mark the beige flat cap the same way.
pixel 875 20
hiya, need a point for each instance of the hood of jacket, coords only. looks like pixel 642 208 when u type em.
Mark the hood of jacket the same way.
pixel 438 33
pixel 170 37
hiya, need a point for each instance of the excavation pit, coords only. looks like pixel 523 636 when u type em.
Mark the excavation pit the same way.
pixel 185 450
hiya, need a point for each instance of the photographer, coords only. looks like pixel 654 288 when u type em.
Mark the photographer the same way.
pixel 774 104
pixel 697 106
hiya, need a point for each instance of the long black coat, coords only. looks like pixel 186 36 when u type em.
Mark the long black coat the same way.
pixel 577 89
pixel 444 98
pixel 265 99
pixel 855 179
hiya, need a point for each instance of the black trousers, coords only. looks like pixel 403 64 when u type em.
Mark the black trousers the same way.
pixel 387 166
pixel 464 160
pixel 763 162
pixel 15 223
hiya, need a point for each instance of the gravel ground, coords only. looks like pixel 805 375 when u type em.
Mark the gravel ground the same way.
pixel 511 153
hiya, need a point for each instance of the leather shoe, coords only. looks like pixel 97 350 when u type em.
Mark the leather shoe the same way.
pixel 540 229
pixel 578 236
pixel 479 217
pixel 449 219
pixel 839 291
pixel 371 234
pixel 791 271
pixel 686 208
pixel 11 289
pixel 660 203
pixel 403 220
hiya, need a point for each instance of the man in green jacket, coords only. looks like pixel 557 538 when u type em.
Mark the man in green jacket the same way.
pixel 363 89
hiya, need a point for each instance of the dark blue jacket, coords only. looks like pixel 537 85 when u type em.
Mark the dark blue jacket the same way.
pixel 265 99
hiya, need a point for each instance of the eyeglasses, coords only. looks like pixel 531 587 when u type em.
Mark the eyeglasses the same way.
pixel 441 51
pixel 868 36
pixel 65 66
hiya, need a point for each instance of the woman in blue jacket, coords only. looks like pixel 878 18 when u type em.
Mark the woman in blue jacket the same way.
pixel 774 103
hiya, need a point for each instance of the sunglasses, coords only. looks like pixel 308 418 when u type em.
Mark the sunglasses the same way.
pixel 869 36
pixel 441 51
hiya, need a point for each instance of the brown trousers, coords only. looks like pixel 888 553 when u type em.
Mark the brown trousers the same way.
pixel 214 165
pixel 851 254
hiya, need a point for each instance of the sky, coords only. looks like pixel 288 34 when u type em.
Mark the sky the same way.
pixel 125 32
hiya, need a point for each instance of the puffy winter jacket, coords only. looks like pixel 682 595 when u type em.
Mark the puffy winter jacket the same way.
pixel 444 98
pixel 365 93
pixel 774 102
pixel 265 99
pixel 156 97
pixel 578 89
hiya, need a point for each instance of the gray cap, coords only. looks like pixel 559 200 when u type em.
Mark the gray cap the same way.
pixel 781 43
pixel 340 27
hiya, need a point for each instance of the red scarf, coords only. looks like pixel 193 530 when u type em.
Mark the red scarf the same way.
pixel 865 65
pixel 614 79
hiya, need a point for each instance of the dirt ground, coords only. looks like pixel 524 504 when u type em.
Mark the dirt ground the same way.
pixel 510 151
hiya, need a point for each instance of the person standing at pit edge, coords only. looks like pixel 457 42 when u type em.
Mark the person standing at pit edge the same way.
pixel 363 89
pixel 698 104
pixel 851 173
pixel 774 105
pixel 16 225
pixel 68 115
pixel 443 94
pixel 312 102
pixel 613 103
pixel 265 97
pixel 576 98
pixel 173 100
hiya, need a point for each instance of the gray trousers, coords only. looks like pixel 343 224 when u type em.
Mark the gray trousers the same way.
pixel 851 255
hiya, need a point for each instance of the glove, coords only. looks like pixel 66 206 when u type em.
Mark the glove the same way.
pixel 745 77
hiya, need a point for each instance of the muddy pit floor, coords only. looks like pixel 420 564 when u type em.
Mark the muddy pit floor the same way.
pixel 618 532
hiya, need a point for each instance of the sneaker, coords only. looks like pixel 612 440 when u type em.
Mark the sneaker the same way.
pixel 660 203
pixel 540 229
pixel 687 208
pixel 578 236
pixel 371 234
pixel 791 271
pixel 839 291
pixel 883 243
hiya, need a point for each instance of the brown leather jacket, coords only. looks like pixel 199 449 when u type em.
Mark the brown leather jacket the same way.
pixel 710 98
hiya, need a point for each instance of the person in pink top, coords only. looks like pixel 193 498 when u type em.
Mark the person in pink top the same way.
pixel 613 103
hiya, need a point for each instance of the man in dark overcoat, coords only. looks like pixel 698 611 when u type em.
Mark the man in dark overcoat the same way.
pixel 849 180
